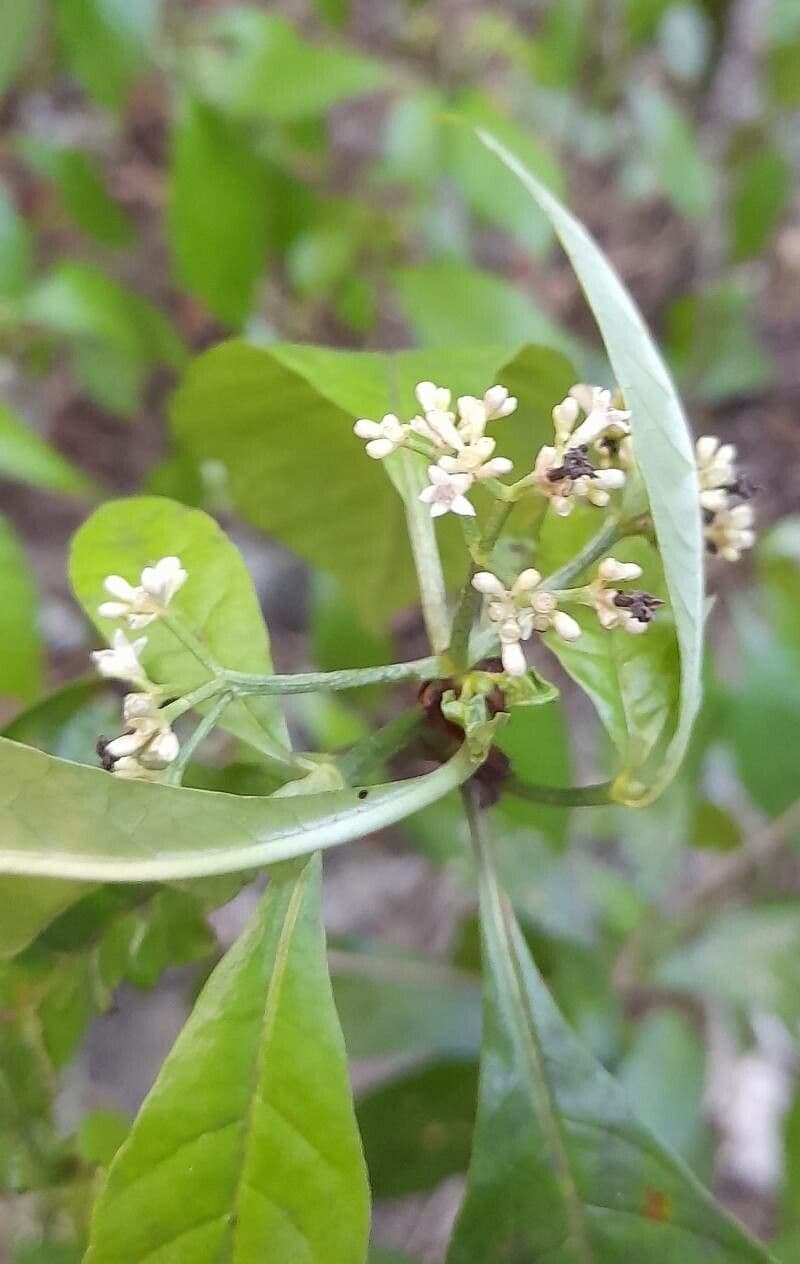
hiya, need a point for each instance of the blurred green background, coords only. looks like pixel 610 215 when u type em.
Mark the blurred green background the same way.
pixel 173 174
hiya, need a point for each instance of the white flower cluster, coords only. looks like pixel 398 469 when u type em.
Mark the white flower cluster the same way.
pixel 632 610
pixel 455 441
pixel 564 471
pixel 148 745
pixel 140 605
pixel 724 498
pixel 521 610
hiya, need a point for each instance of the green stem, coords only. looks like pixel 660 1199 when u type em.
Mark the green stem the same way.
pixel 202 730
pixel 470 599
pixel 376 748
pixel 560 796
pixel 408 476
pixel 311 682
pixel 610 534
pixel 189 640
pixel 203 692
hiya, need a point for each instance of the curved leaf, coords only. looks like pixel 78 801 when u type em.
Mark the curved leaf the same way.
pixel 217 601
pixel 64 820
pixel 664 448
pixel 247 1146
pixel 24 455
pixel 560 1167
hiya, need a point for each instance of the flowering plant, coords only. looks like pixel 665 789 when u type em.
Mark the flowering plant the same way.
pixel 247 1146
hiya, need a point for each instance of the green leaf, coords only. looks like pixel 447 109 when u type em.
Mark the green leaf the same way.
pixel 493 193
pixel 663 448
pixel 745 957
pixel 453 304
pixel 240 405
pixel 59 819
pixel 20 21
pixel 21 659
pixel 671 148
pixel 24 456
pixel 257 66
pixel 417 1130
pixel 29 905
pixel 105 43
pixel 762 187
pixel 217 215
pixel 667 1051
pixel 247 1146
pixel 217 601
pixel 16 246
pixel 83 191
pixel 560 1166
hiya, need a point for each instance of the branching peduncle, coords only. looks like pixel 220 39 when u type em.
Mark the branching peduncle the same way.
pixel 204 727
pixel 469 599
pixel 313 682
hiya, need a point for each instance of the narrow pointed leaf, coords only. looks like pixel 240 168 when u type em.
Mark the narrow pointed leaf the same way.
pixel 217 601
pixel 247 1148
pixel 64 820
pixel 663 446
pixel 560 1167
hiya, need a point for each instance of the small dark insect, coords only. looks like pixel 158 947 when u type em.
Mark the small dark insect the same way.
pixel 362 794
pixel 106 760
pixel 576 465
pixel 642 605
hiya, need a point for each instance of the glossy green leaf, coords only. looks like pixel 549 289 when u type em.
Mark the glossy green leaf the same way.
pixel 217 601
pixel 21 658
pixel 259 66
pixel 217 216
pixel 247 1146
pixel 65 820
pixel 27 457
pixel 663 448
pixel 240 405
pixel 560 1166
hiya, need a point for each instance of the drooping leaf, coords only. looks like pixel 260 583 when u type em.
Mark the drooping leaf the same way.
pixel 24 455
pixel 560 1166
pixel 217 215
pixel 247 1145
pixel 258 66
pixel 242 405
pixel 65 820
pixel 217 601
pixel 663 449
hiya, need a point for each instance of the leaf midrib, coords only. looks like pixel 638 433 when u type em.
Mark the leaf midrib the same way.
pixel 266 1029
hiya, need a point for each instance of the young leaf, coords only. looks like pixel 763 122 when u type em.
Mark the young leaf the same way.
pixel 105 43
pixel 63 820
pixel 29 905
pixel 560 1168
pixel 246 1147
pixel 663 449
pixel 217 215
pixel 21 659
pixel 217 601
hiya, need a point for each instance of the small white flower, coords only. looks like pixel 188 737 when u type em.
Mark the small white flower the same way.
pixel 631 611
pixel 476 459
pixel 565 626
pixel 498 403
pixel 565 475
pixel 730 532
pixel 121 661
pixel 384 437
pixel 716 462
pixel 129 769
pixel 439 428
pixel 432 398
pixel 602 418
pixel 447 493
pixel 520 610
pixel 148 739
pixel 141 605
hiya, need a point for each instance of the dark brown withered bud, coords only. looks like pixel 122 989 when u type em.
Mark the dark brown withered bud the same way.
pixel 741 489
pixel 576 464
pixel 708 516
pixel 640 605
pixel 490 776
pixel 106 760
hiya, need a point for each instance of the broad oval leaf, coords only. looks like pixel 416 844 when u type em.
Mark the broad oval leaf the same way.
pixel 63 820
pixel 217 602
pixel 560 1167
pixel 664 448
pixel 246 1147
